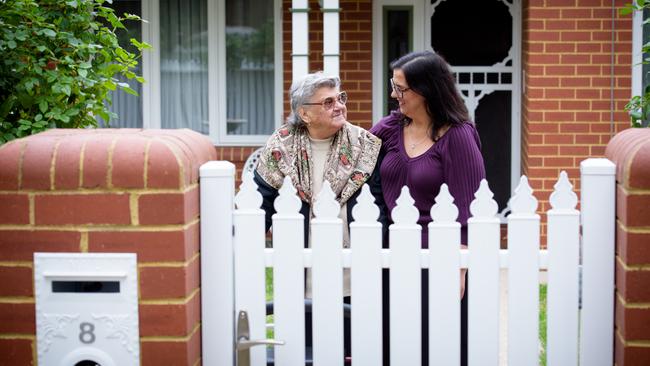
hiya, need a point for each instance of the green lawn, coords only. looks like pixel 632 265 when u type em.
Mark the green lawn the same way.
pixel 542 324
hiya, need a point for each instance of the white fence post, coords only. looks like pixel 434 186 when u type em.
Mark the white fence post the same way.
pixel 483 276
pixel 217 287
pixel 327 279
pixel 444 291
pixel 288 277
pixel 523 277
pixel 366 285
pixel 405 283
pixel 250 275
pixel 562 291
pixel 598 223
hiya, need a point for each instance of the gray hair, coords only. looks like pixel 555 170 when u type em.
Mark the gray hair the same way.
pixel 303 89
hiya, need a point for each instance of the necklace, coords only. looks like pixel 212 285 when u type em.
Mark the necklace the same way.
pixel 413 145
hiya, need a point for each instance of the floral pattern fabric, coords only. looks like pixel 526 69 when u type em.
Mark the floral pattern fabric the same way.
pixel 350 161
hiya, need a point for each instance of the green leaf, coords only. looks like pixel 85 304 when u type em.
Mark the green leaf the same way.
pixel 48 32
pixel 11 44
pixel 72 3
pixel 130 91
pixel 38 117
pixel 83 73
pixel 41 48
pixel 42 106
pixel 85 65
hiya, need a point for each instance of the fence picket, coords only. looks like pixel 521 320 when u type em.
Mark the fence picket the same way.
pixel 562 291
pixel 217 303
pixel 523 277
pixel 483 275
pixel 405 283
pixel 288 277
pixel 444 295
pixel 598 186
pixel 327 280
pixel 366 314
pixel 250 275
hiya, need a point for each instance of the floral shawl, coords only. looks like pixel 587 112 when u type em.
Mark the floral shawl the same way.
pixel 350 161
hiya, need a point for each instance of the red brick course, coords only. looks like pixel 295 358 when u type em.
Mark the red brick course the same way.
pixel 630 151
pixel 124 190
pixel 16 352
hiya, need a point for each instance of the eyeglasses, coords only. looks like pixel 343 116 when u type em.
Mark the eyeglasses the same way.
pixel 328 103
pixel 398 90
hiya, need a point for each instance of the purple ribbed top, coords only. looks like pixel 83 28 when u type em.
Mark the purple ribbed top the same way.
pixel 455 159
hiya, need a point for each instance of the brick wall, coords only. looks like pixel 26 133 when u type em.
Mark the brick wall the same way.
pixel 105 191
pixel 571 85
pixel 630 150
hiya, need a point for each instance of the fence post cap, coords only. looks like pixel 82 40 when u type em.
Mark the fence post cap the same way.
pixel 217 168
pixel 597 166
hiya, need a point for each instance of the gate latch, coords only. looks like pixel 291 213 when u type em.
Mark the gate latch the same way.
pixel 244 343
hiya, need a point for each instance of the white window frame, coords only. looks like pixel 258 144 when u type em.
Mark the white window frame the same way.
pixel 637 53
pixel 216 73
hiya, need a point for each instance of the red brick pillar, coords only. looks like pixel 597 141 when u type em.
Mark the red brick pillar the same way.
pixel 630 150
pixel 122 190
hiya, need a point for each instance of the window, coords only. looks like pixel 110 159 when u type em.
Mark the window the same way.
pixel 127 107
pixel 640 36
pixel 215 68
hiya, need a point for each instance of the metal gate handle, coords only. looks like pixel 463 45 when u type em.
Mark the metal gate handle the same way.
pixel 244 343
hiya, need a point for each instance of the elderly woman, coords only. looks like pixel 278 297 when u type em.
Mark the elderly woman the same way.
pixel 318 144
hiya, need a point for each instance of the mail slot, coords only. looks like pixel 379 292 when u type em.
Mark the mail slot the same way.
pixel 86 309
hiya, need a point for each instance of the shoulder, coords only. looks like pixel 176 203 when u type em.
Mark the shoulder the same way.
pixel 463 133
pixel 387 126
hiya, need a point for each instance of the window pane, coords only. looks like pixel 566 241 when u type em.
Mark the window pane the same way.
pixel 184 64
pixel 646 67
pixel 397 40
pixel 127 107
pixel 250 67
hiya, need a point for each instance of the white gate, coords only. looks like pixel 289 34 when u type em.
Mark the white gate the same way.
pixel 234 258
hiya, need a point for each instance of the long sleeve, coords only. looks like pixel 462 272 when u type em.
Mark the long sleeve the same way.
pixel 463 170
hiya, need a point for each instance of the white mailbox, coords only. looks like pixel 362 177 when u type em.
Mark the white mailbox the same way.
pixel 86 309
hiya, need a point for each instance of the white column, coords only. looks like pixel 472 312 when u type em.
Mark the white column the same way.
pixel 299 38
pixel 598 223
pixel 217 282
pixel 151 65
pixel 331 31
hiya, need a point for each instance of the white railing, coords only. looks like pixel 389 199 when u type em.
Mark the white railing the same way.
pixel 573 335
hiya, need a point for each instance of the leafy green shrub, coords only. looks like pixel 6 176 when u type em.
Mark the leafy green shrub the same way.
pixel 59 63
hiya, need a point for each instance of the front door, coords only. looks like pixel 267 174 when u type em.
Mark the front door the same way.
pixel 482 43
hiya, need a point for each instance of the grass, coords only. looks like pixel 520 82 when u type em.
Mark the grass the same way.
pixel 269 297
pixel 542 324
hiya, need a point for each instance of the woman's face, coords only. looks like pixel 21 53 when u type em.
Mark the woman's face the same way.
pixel 411 103
pixel 326 114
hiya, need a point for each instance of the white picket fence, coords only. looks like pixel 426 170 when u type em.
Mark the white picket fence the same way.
pixel 234 258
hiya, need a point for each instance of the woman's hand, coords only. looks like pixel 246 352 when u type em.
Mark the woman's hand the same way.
pixel 463 275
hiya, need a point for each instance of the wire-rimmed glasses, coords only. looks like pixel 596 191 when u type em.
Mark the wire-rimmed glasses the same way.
pixel 398 90
pixel 328 103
